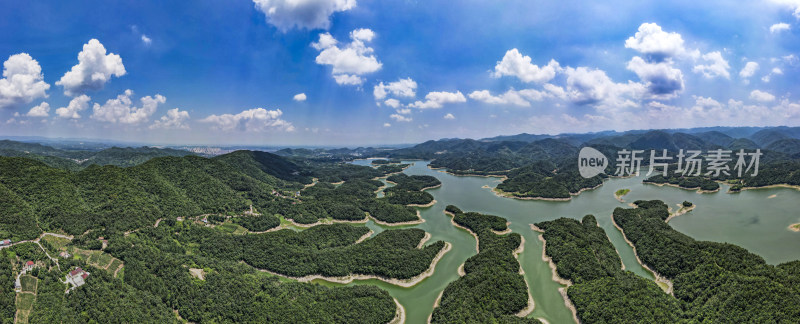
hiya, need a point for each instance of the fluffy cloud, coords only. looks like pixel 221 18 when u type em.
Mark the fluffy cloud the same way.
pixel 94 69
pixel 655 43
pixel 779 27
pixel 121 109
pixel 793 5
pixel 400 118
pixel 253 120
pixel 717 66
pixel 76 105
pixel 146 40
pixel 520 98
pixel 661 79
pixel 387 125
pixel 436 99
pixel 762 96
pixel 394 103
pixel 308 14
pixel 42 110
pixel 404 111
pixel 22 81
pixel 514 64
pixel 300 97
pixel 400 88
pixel 350 61
pixel 591 86
pixel 174 119
pixel 449 116
pixel 749 69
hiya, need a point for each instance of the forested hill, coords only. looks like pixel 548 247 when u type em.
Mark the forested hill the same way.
pixel 80 159
pixel 117 199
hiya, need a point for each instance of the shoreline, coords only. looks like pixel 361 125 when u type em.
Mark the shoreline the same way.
pixel 420 220
pixel 773 186
pixel 795 227
pixel 698 190
pixel 505 194
pixel 531 304
pixel 477 240
pixel 505 231
pixel 435 304
pixel 681 211
pixel 619 196
pixel 658 277
pixel 433 202
pixel 555 276
pixel 405 283
pixel 422 242
pixel 400 313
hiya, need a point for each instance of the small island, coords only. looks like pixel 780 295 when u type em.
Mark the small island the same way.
pixel 795 227
pixel 620 193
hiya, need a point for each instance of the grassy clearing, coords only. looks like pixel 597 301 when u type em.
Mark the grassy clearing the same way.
pixel 25 301
pixel 28 283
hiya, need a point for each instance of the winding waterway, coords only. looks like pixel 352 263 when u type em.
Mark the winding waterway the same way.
pixel 754 219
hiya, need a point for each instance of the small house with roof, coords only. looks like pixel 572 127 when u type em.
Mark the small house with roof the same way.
pixel 77 277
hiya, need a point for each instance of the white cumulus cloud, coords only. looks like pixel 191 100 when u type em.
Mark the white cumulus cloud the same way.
pixel 22 81
pixel 76 105
pixel 779 27
pixel 400 118
pixel 717 66
pixel 400 88
pixel 252 120
pixel 300 97
pixel 593 86
pixel 41 110
pixel 174 119
pixel 308 14
pixel 146 40
pixel 436 99
pixel 350 61
pixel 449 116
pixel 661 78
pixel 749 69
pixel 520 98
pixel 121 109
pixel 94 69
pixel 655 43
pixel 517 65
pixel 394 103
pixel 761 96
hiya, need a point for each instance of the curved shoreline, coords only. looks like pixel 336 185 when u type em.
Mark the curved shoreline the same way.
pixel 424 240
pixel 400 313
pixel 433 202
pixel 698 190
pixel 405 283
pixel 505 194
pixel 414 222
pixel 682 210
pixel 658 277
pixel 453 221
pixel 773 186
pixel 555 276
pixel 531 304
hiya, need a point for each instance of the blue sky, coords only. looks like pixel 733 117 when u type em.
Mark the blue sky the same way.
pixel 382 72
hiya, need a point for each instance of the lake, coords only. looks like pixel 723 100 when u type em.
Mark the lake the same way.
pixel 754 219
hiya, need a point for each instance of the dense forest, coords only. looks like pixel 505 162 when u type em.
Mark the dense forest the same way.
pixel 7 295
pixel 714 282
pixel 170 187
pixel 602 292
pixel 687 182
pixel 75 160
pixel 492 290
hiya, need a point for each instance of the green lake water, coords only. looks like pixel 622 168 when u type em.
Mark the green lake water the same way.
pixel 754 219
